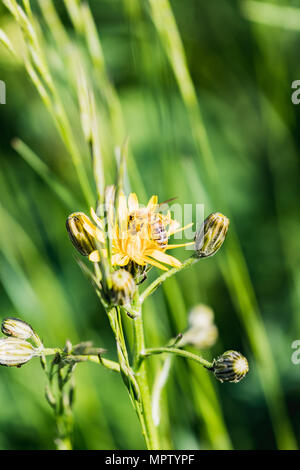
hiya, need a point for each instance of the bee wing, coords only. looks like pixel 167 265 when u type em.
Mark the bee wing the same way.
pixel 160 207
pixel 168 200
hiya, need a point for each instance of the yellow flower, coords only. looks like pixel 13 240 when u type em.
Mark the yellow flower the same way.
pixel 139 234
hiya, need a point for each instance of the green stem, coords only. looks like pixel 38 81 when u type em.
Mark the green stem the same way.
pixel 63 443
pixel 112 365
pixel 129 378
pixel 178 352
pixel 142 380
pixel 51 351
pixel 158 281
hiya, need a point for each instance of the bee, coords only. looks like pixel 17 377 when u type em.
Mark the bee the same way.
pixel 150 225
pixel 158 231
pixel 138 221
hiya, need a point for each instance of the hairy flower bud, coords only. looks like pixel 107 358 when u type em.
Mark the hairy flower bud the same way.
pixel 123 287
pixel 82 233
pixel 211 235
pixel 15 351
pixel 232 366
pixel 17 328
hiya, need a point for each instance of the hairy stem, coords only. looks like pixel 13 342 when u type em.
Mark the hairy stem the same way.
pixel 127 373
pixel 158 281
pixel 177 352
pixel 142 380
pixel 112 365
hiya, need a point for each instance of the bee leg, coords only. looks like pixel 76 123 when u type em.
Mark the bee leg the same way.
pixel 130 315
pixel 142 279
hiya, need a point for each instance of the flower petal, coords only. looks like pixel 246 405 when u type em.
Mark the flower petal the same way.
pixel 133 203
pixel 122 213
pixel 164 258
pixel 153 202
pixel 96 219
pixel 94 256
pixel 169 247
pixel 176 230
pixel 155 263
pixel 99 235
pixel 119 260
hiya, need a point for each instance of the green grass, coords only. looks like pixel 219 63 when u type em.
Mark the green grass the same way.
pixel 205 123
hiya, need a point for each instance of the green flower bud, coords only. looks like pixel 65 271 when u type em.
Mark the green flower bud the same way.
pixel 15 352
pixel 211 235
pixel 123 287
pixel 232 366
pixel 82 233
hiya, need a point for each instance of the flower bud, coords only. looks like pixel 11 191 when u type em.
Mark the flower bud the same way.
pixel 199 337
pixel 211 235
pixel 15 351
pixel 17 328
pixel 201 315
pixel 232 366
pixel 123 287
pixel 82 233
pixel 202 332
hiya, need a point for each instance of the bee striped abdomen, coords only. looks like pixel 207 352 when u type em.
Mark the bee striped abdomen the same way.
pixel 148 225
pixel 159 233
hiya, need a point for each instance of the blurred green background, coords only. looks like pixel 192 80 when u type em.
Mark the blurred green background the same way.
pixel 242 68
